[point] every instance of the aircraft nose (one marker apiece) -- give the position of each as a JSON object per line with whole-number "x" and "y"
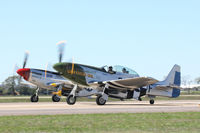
{"x": 25, "y": 72}
{"x": 60, "y": 67}
{"x": 57, "y": 67}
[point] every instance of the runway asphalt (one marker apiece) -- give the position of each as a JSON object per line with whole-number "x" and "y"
{"x": 50, "y": 108}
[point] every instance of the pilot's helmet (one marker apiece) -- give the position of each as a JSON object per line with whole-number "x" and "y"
{"x": 110, "y": 67}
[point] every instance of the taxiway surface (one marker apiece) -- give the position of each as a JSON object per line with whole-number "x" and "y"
{"x": 50, "y": 108}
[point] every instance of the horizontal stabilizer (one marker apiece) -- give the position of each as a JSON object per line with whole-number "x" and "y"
{"x": 163, "y": 87}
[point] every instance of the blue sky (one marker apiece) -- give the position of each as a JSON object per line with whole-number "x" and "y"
{"x": 148, "y": 36}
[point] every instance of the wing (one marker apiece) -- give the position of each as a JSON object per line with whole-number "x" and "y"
{"x": 131, "y": 83}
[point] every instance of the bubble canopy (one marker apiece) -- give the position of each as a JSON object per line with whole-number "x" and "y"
{"x": 123, "y": 69}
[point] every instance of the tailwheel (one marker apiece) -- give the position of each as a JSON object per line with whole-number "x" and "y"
{"x": 55, "y": 98}
{"x": 100, "y": 100}
{"x": 71, "y": 100}
{"x": 34, "y": 98}
{"x": 151, "y": 101}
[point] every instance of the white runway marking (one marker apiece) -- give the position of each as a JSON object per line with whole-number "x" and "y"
{"x": 51, "y": 108}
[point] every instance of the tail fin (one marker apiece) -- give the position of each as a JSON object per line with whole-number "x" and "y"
{"x": 174, "y": 77}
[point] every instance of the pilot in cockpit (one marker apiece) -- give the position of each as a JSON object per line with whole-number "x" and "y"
{"x": 110, "y": 70}
{"x": 124, "y": 70}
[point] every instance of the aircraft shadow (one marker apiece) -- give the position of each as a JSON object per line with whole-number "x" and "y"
{"x": 136, "y": 105}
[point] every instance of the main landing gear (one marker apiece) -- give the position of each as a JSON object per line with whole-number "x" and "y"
{"x": 102, "y": 99}
{"x": 34, "y": 97}
{"x": 71, "y": 99}
{"x": 56, "y": 97}
{"x": 151, "y": 101}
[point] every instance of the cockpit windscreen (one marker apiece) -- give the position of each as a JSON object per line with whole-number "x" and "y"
{"x": 126, "y": 70}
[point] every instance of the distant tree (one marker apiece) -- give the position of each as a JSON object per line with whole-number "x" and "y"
{"x": 10, "y": 84}
{"x": 186, "y": 81}
{"x": 1, "y": 91}
{"x": 25, "y": 90}
{"x": 197, "y": 80}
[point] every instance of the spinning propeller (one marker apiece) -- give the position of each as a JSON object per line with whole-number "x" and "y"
{"x": 22, "y": 72}
{"x": 25, "y": 59}
{"x": 61, "y": 47}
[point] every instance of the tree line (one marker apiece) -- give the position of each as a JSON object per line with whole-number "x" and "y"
{"x": 13, "y": 86}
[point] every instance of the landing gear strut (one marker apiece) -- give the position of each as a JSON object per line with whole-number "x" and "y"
{"x": 102, "y": 99}
{"x": 71, "y": 99}
{"x": 34, "y": 97}
{"x": 56, "y": 97}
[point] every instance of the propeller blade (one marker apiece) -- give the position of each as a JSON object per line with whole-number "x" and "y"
{"x": 61, "y": 46}
{"x": 25, "y": 59}
{"x": 26, "y": 55}
{"x": 46, "y": 70}
{"x": 72, "y": 72}
{"x": 13, "y": 82}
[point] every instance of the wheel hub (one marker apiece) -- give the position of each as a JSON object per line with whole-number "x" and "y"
{"x": 101, "y": 100}
{"x": 72, "y": 99}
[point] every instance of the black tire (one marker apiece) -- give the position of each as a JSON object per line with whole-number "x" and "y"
{"x": 100, "y": 100}
{"x": 55, "y": 98}
{"x": 151, "y": 102}
{"x": 34, "y": 98}
{"x": 71, "y": 100}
